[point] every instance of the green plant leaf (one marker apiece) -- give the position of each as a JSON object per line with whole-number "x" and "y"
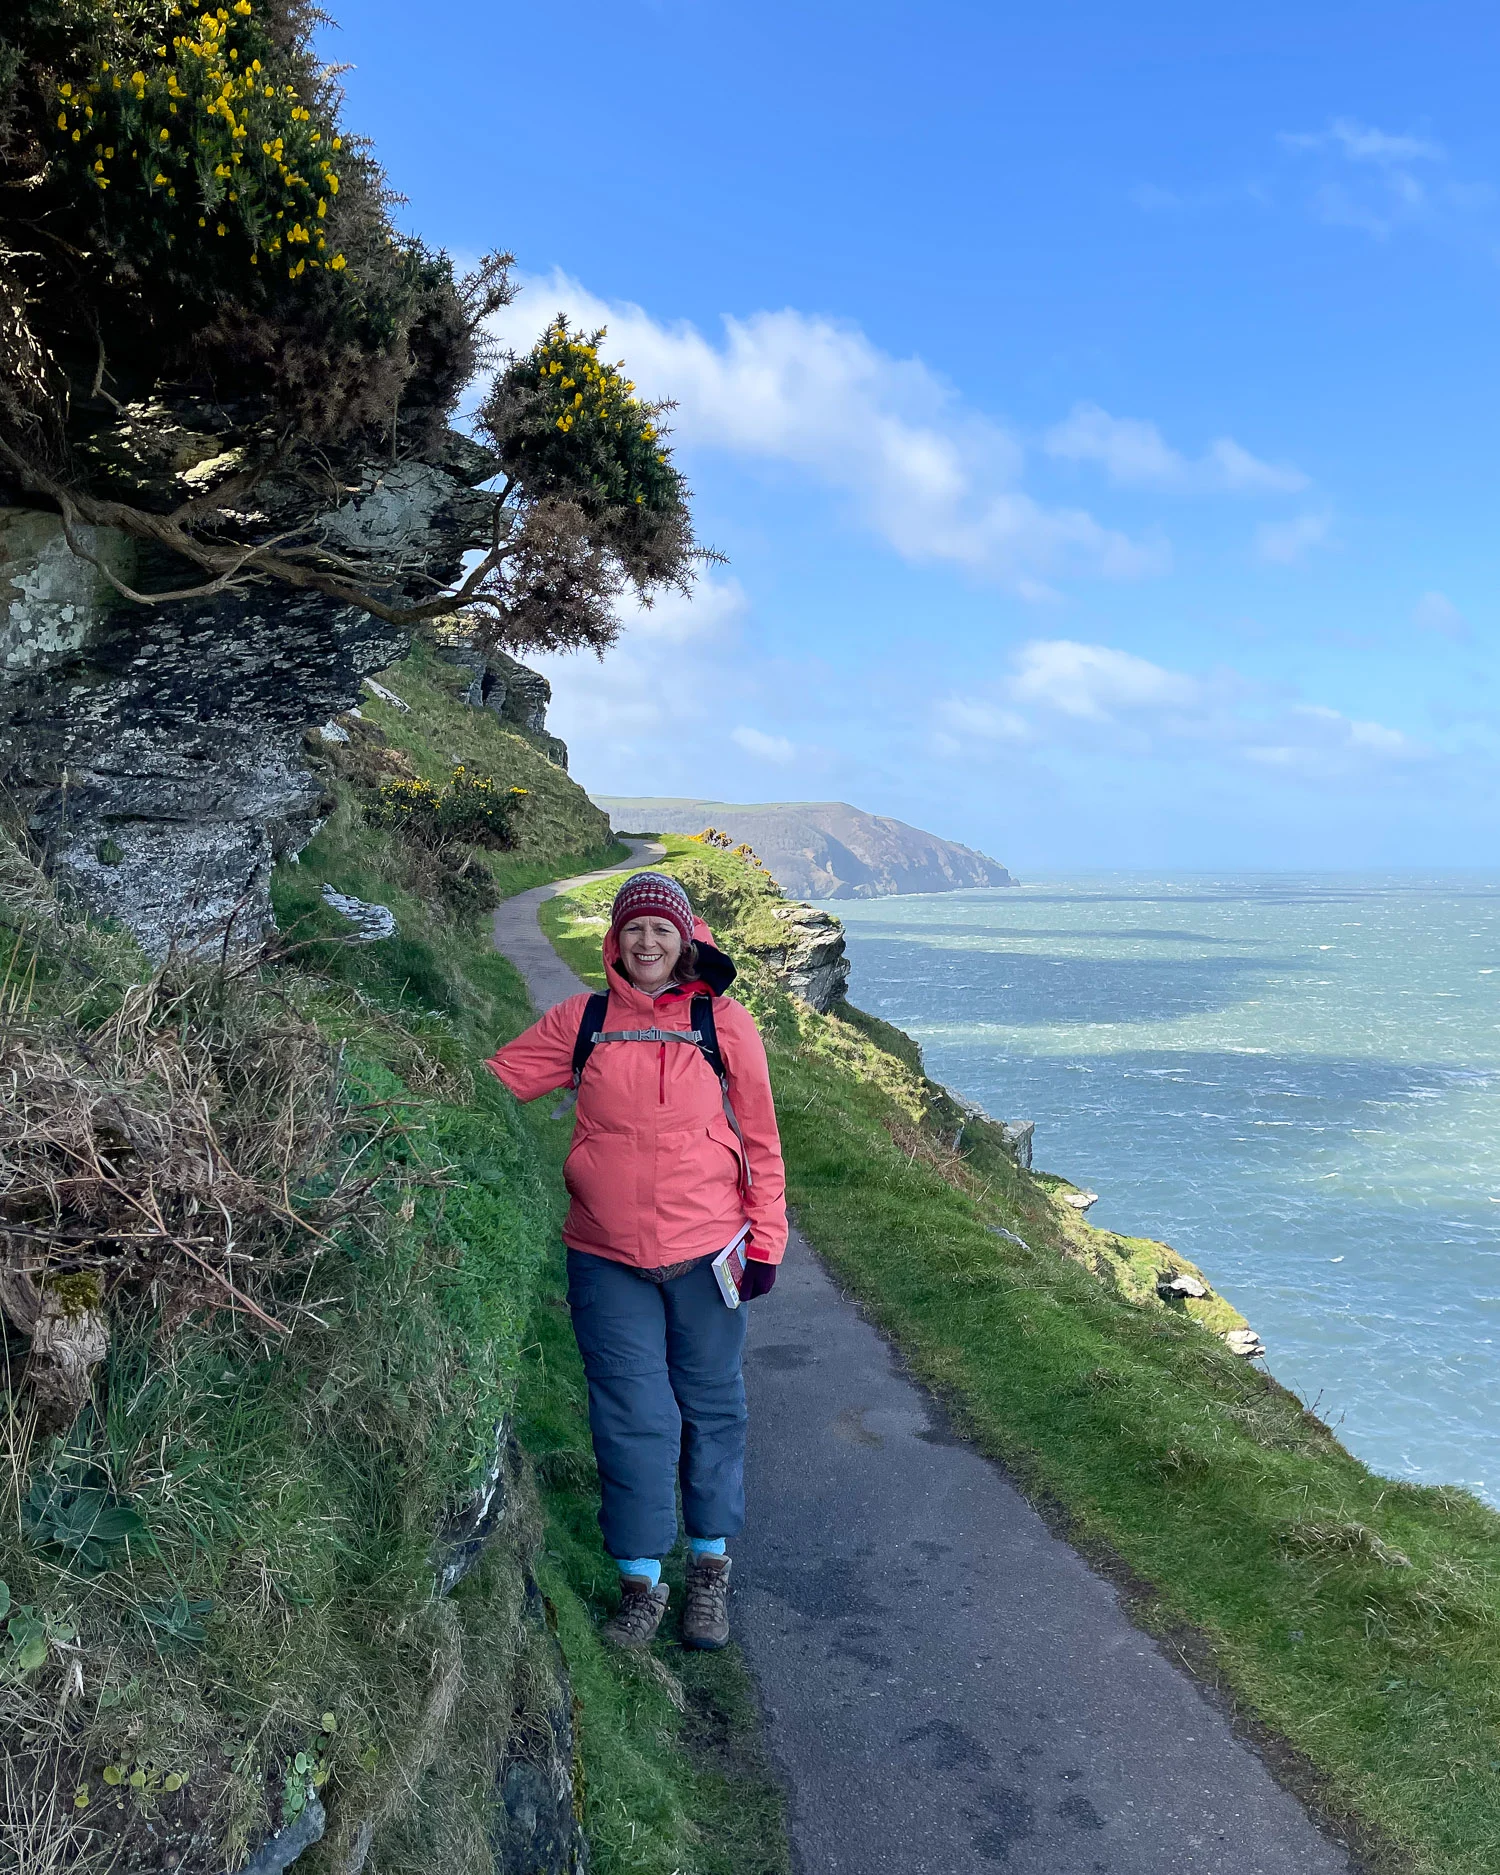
{"x": 329, "y": 1723}
{"x": 116, "y": 1523}
{"x": 4, "y": 1600}
{"x": 33, "y": 1653}
{"x": 302, "y": 1764}
{"x": 23, "y": 1626}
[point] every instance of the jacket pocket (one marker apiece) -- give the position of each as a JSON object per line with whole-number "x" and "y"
{"x": 697, "y": 1187}
{"x": 723, "y": 1134}
{"x": 586, "y": 1176}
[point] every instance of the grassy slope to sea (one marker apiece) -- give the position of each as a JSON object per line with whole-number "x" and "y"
{"x": 272, "y": 1628}
{"x": 1352, "y": 1622}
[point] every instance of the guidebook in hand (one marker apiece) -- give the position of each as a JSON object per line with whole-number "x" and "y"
{"x": 729, "y": 1268}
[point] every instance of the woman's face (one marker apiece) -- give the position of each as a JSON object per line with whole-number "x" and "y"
{"x": 649, "y": 949}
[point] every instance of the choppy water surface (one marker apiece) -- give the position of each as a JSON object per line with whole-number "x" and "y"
{"x": 1294, "y": 1079}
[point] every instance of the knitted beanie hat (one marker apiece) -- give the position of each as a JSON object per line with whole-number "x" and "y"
{"x": 653, "y": 895}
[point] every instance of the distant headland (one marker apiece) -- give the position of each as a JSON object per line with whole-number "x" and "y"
{"x": 821, "y": 849}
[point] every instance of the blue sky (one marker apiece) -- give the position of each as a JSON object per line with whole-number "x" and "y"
{"x": 1096, "y": 403}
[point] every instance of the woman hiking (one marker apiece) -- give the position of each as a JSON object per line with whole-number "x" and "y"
{"x": 667, "y": 1168}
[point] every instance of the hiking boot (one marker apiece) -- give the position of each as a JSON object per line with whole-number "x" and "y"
{"x": 635, "y": 1621}
{"x": 705, "y": 1612}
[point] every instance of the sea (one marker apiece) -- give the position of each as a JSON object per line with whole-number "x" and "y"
{"x": 1294, "y": 1079}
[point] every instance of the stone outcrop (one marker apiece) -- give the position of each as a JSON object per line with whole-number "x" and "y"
{"x": 810, "y": 963}
{"x": 155, "y": 752}
{"x": 520, "y": 697}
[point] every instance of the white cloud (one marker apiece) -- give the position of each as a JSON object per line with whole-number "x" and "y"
{"x": 988, "y": 722}
{"x": 1095, "y": 681}
{"x": 768, "y": 748}
{"x": 1330, "y": 742}
{"x": 1436, "y": 612}
{"x": 1362, "y": 143}
{"x": 1060, "y": 692}
{"x": 1382, "y": 182}
{"x": 936, "y": 481}
{"x": 635, "y": 694}
{"x": 1135, "y": 454}
{"x": 1284, "y": 543}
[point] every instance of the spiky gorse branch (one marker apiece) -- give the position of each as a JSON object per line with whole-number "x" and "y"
{"x": 181, "y": 217}
{"x": 201, "y": 144}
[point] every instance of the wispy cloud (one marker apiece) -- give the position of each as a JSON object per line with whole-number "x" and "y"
{"x": 1135, "y": 454}
{"x": 1096, "y": 682}
{"x": 1284, "y": 543}
{"x": 1436, "y": 612}
{"x": 1325, "y": 741}
{"x": 1060, "y": 691}
{"x": 936, "y": 480}
{"x": 1381, "y": 181}
{"x": 766, "y": 748}
{"x": 1362, "y": 143}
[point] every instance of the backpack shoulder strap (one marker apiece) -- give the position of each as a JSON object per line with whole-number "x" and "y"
{"x": 708, "y": 1047}
{"x": 702, "y": 1019}
{"x": 595, "y": 1010}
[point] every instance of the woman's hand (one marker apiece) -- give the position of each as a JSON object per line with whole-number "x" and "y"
{"x": 759, "y": 1278}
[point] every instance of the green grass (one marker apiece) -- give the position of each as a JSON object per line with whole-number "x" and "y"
{"x": 1356, "y": 1619}
{"x": 296, "y": 1486}
{"x": 673, "y": 1774}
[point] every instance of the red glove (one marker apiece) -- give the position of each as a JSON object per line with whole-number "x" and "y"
{"x": 759, "y": 1278}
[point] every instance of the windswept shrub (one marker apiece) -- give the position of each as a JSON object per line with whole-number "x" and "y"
{"x": 183, "y": 203}
{"x": 472, "y": 808}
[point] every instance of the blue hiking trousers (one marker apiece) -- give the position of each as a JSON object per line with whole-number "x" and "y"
{"x": 666, "y": 1402}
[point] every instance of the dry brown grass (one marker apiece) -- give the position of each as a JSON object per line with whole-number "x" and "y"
{"x": 158, "y": 1150}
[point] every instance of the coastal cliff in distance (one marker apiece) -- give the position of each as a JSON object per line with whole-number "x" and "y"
{"x": 820, "y": 849}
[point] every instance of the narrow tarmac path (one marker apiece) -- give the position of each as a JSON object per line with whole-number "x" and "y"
{"x": 949, "y": 1689}
{"x": 519, "y": 937}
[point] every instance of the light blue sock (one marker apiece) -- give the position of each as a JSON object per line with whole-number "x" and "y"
{"x": 646, "y": 1566}
{"x": 706, "y": 1545}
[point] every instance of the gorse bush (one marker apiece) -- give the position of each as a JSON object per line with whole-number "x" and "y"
{"x": 204, "y": 150}
{"x": 189, "y": 239}
{"x": 472, "y": 808}
{"x": 572, "y": 428}
{"x": 182, "y": 202}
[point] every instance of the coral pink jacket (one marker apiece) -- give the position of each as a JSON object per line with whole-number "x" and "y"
{"x": 655, "y": 1172}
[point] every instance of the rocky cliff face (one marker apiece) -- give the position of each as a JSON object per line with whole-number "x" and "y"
{"x": 155, "y": 753}
{"x": 518, "y": 696}
{"x": 811, "y": 962}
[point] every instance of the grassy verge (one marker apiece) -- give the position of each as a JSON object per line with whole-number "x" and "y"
{"x": 673, "y": 1778}
{"x": 262, "y": 1627}
{"x": 1355, "y": 1618}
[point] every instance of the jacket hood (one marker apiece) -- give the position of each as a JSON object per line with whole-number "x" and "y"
{"x": 716, "y": 971}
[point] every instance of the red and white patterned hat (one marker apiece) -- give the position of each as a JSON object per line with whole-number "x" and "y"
{"x": 653, "y": 895}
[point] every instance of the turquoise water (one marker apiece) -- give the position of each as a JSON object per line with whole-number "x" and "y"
{"x": 1294, "y": 1079}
